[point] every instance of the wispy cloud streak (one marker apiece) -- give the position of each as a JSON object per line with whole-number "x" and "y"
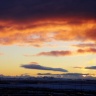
{"x": 68, "y": 53}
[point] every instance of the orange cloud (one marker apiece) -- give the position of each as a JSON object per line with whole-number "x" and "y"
{"x": 89, "y": 50}
{"x": 39, "y": 32}
{"x": 67, "y": 53}
{"x": 55, "y": 53}
{"x": 38, "y": 22}
{"x": 85, "y": 45}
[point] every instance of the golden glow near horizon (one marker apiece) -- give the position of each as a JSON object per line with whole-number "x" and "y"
{"x": 43, "y": 38}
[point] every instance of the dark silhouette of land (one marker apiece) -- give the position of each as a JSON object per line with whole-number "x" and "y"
{"x": 47, "y": 87}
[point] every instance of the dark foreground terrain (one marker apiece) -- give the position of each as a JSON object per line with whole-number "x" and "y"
{"x": 47, "y": 88}
{"x": 43, "y": 92}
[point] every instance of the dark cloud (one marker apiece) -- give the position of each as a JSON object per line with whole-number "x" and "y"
{"x": 91, "y": 67}
{"x": 75, "y": 74}
{"x": 44, "y": 74}
{"x": 29, "y": 9}
{"x": 69, "y": 75}
{"x": 69, "y": 19}
{"x": 39, "y": 67}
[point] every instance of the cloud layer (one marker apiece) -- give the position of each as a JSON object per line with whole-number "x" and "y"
{"x": 68, "y": 53}
{"x": 86, "y": 45}
{"x": 70, "y": 75}
{"x": 40, "y": 21}
{"x": 40, "y": 67}
{"x": 26, "y": 9}
{"x": 74, "y": 74}
{"x": 91, "y": 67}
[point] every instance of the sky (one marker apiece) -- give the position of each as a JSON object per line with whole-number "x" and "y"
{"x": 47, "y": 36}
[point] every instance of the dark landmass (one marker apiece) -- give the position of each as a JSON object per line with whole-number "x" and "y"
{"x": 47, "y": 87}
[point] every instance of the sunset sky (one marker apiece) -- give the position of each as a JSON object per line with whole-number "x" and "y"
{"x": 47, "y": 36}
